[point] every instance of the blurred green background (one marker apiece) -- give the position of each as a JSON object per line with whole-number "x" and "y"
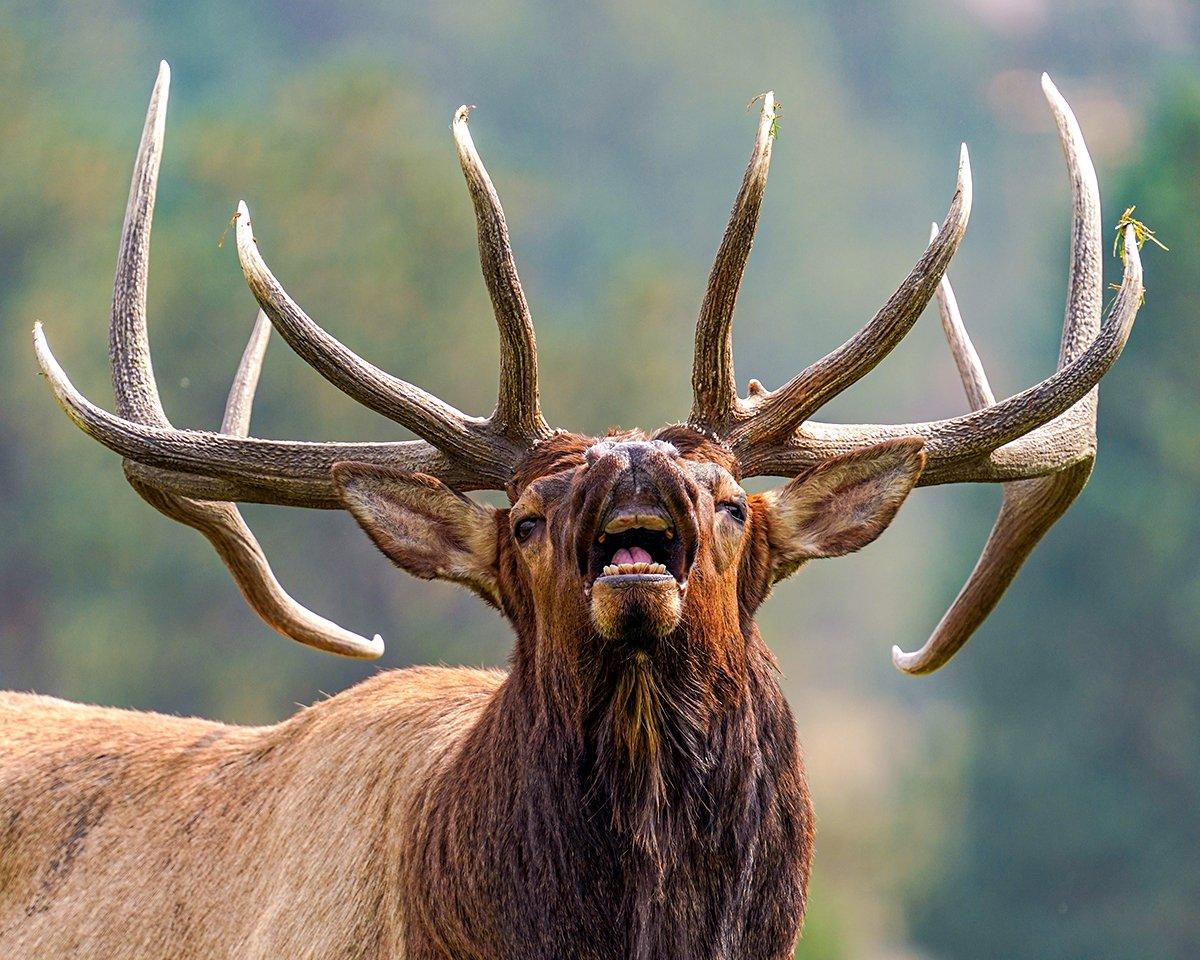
{"x": 1039, "y": 797}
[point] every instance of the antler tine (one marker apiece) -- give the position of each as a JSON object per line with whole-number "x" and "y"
{"x": 776, "y": 414}
{"x": 223, "y": 526}
{"x": 518, "y": 411}
{"x": 1030, "y": 507}
{"x": 966, "y": 358}
{"x": 138, "y": 401}
{"x": 418, "y": 410}
{"x": 226, "y": 530}
{"x": 714, "y": 388}
{"x": 240, "y": 403}
{"x": 128, "y": 344}
{"x": 1085, "y": 286}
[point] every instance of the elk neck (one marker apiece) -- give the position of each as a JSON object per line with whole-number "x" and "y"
{"x": 640, "y": 781}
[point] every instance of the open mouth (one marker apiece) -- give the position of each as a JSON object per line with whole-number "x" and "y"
{"x": 637, "y": 545}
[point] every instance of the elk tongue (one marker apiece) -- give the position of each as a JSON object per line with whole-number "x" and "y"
{"x": 631, "y": 555}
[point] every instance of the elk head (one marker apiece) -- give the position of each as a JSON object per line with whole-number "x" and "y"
{"x": 613, "y": 546}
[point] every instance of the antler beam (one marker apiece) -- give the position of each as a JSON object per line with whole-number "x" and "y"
{"x": 1030, "y": 507}
{"x": 188, "y": 474}
{"x": 1040, "y": 443}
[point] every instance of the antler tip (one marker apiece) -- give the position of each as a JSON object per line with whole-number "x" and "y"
{"x": 242, "y": 225}
{"x": 64, "y": 391}
{"x": 463, "y": 114}
{"x": 41, "y": 347}
{"x": 164, "y": 71}
{"x": 766, "y": 126}
{"x": 965, "y": 187}
{"x": 1058, "y": 103}
{"x": 905, "y": 662}
{"x": 1133, "y": 259}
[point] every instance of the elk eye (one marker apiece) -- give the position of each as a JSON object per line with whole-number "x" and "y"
{"x": 524, "y": 528}
{"x": 735, "y": 510}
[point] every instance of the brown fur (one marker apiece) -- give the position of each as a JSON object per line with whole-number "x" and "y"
{"x": 628, "y": 795}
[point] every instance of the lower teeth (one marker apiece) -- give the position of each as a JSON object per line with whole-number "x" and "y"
{"x": 624, "y": 569}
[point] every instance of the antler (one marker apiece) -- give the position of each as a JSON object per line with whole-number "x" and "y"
{"x": 714, "y": 390}
{"x": 223, "y": 526}
{"x": 190, "y": 475}
{"x": 765, "y": 416}
{"x": 1029, "y": 507}
{"x": 1040, "y": 442}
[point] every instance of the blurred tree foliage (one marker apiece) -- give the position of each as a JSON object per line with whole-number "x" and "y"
{"x": 1081, "y": 827}
{"x": 616, "y": 135}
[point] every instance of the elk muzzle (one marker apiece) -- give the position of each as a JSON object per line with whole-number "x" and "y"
{"x": 637, "y": 538}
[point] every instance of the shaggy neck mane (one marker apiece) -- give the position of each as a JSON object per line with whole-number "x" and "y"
{"x": 640, "y": 785}
{"x": 630, "y": 797}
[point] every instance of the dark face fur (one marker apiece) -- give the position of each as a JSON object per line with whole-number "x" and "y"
{"x": 614, "y": 546}
{"x": 626, "y": 537}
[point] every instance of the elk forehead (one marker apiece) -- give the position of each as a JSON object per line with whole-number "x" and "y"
{"x": 627, "y": 449}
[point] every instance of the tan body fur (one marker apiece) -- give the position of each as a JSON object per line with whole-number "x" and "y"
{"x": 137, "y": 835}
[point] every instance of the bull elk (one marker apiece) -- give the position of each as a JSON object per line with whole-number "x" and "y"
{"x": 632, "y": 785}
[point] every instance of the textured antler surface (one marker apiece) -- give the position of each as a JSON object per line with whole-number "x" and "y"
{"x": 190, "y": 474}
{"x": 138, "y": 401}
{"x": 1029, "y": 507}
{"x": 1040, "y": 443}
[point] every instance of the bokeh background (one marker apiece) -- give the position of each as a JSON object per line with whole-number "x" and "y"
{"x": 1040, "y": 796}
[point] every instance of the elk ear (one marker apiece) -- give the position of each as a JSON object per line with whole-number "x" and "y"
{"x": 423, "y": 526}
{"x": 842, "y": 504}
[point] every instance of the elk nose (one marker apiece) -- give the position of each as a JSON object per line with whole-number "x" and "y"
{"x": 644, "y": 482}
{"x": 639, "y": 508}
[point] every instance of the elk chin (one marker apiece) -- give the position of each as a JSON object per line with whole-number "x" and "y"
{"x": 632, "y": 606}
